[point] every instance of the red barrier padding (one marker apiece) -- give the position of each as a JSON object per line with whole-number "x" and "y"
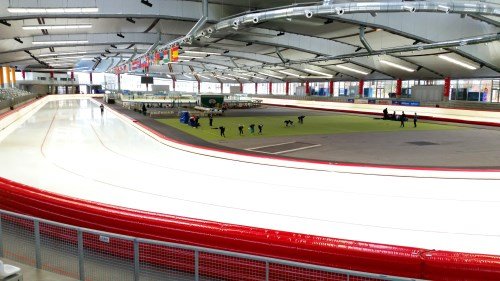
{"x": 356, "y": 255}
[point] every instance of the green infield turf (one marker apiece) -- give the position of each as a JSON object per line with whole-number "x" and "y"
{"x": 274, "y": 126}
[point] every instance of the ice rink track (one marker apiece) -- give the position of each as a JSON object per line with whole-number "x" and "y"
{"x": 65, "y": 146}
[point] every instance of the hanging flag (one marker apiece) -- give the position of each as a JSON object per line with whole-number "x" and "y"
{"x": 166, "y": 56}
{"x": 135, "y": 65}
{"x": 157, "y": 57}
{"x": 174, "y": 53}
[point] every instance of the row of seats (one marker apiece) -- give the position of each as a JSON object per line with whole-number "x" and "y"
{"x": 8, "y": 93}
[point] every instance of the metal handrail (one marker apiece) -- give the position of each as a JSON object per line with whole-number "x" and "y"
{"x": 195, "y": 249}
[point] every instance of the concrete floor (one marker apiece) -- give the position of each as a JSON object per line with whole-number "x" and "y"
{"x": 34, "y": 274}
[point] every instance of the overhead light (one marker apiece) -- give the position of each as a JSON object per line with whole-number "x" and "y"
{"x": 4, "y": 22}
{"x": 281, "y": 33}
{"x": 203, "y": 76}
{"x": 244, "y": 74}
{"x": 271, "y": 75}
{"x": 317, "y": 72}
{"x": 147, "y": 3}
{"x": 240, "y": 77}
{"x": 289, "y": 73}
{"x": 309, "y": 14}
{"x": 410, "y": 9}
{"x": 316, "y": 77}
{"x": 18, "y": 40}
{"x": 52, "y": 10}
{"x": 444, "y": 8}
{"x": 256, "y": 77}
{"x": 113, "y": 46}
{"x": 49, "y": 27}
{"x": 201, "y": 53}
{"x": 455, "y": 61}
{"x": 131, "y": 20}
{"x": 60, "y": 42}
{"x": 352, "y": 69}
{"x": 120, "y": 35}
{"x": 397, "y": 66}
{"x": 190, "y": 57}
{"x": 62, "y": 54}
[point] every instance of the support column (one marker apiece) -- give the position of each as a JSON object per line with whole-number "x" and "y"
{"x": 173, "y": 84}
{"x": 199, "y": 86}
{"x": 287, "y": 88}
{"x": 23, "y": 73}
{"x": 361, "y": 87}
{"x": 13, "y": 71}
{"x": 7, "y": 76}
{"x": 399, "y": 87}
{"x": 307, "y": 88}
{"x": 330, "y": 88}
{"x": 52, "y": 75}
{"x": 255, "y": 88}
{"x": 270, "y": 87}
{"x": 1, "y": 77}
{"x": 447, "y": 86}
{"x": 221, "y": 87}
{"x": 241, "y": 87}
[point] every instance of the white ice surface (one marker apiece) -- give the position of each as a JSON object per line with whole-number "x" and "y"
{"x": 69, "y": 148}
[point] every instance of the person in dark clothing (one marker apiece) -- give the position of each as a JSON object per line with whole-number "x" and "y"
{"x": 211, "y": 119}
{"x": 386, "y": 114}
{"x": 240, "y": 129}
{"x": 260, "y": 126}
{"x": 144, "y": 109}
{"x": 102, "y": 109}
{"x": 394, "y": 116}
{"x": 222, "y": 130}
{"x": 403, "y": 119}
{"x": 252, "y": 128}
{"x": 415, "y": 120}
{"x": 301, "y": 119}
{"x": 288, "y": 122}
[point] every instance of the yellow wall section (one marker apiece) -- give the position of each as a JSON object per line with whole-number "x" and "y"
{"x": 1, "y": 76}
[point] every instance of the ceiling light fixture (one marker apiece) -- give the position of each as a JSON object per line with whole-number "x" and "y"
{"x": 131, "y": 20}
{"x": 190, "y": 57}
{"x": 4, "y": 22}
{"x": 352, "y": 69}
{"x": 50, "y": 27}
{"x": 61, "y": 54}
{"x": 444, "y": 8}
{"x": 18, "y": 40}
{"x": 289, "y": 73}
{"x": 52, "y": 10}
{"x": 410, "y": 9}
{"x": 397, "y": 66}
{"x": 271, "y": 75}
{"x": 60, "y": 42}
{"x": 120, "y": 35}
{"x": 317, "y": 72}
{"x": 199, "y": 75}
{"x": 147, "y": 3}
{"x": 455, "y": 61}
{"x": 201, "y": 53}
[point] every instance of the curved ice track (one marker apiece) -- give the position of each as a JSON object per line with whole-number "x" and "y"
{"x": 68, "y": 148}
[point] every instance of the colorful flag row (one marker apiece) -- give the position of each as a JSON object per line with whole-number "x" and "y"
{"x": 143, "y": 63}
